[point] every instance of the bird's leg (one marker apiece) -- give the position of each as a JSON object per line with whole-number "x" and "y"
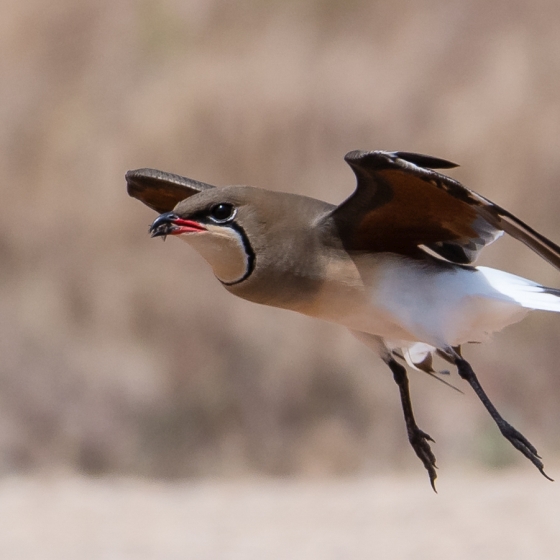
{"x": 417, "y": 438}
{"x": 518, "y": 440}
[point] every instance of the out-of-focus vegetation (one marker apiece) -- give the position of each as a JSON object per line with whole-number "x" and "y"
{"x": 123, "y": 354}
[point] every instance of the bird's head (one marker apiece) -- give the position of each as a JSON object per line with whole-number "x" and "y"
{"x": 250, "y": 236}
{"x": 219, "y": 223}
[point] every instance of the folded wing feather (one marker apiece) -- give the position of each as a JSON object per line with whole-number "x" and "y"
{"x": 401, "y": 204}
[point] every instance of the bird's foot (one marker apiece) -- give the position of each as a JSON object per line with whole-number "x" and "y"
{"x": 520, "y": 442}
{"x": 419, "y": 441}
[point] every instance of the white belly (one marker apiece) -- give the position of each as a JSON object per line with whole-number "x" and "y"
{"x": 402, "y": 299}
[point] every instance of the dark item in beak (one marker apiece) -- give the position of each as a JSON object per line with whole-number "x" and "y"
{"x": 170, "y": 224}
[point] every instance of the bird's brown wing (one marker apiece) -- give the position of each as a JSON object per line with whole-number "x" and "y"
{"x": 161, "y": 191}
{"x": 401, "y": 205}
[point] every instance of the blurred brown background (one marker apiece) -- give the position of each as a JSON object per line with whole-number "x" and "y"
{"x": 121, "y": 354}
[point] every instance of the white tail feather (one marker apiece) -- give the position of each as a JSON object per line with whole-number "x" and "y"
{"x": 527, "y": 293}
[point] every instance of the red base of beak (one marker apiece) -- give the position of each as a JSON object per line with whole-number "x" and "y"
{"x": 185, "y": 226}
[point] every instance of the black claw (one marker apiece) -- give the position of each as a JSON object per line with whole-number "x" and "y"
{"x": 427, "y": 436}
{"x": 419, "y": 441}
{"x": 433, "y": 481}
{"x": 522, "y": 444}
{"x": 545, "y": 475}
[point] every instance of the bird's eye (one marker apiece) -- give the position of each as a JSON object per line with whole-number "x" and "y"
{"x": 222, "y": 212}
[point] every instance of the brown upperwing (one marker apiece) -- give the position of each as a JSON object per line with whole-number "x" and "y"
{"x": 398, "y": 206}
{"x": 161, "y": 191}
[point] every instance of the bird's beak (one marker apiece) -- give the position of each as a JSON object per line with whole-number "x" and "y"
{"x": 170, "y": 224}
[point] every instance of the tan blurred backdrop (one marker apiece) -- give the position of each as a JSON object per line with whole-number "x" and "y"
{"x": 121, "y": 354}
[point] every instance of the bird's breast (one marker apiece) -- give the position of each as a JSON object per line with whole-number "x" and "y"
{"x": 348, "y": 295}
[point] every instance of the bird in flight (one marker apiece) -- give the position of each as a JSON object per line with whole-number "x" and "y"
{"x": 392, "y": 263}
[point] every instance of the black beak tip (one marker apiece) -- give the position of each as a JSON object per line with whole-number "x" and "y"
{"x": 162, "y": 225}
{"x": 157, "y": 233}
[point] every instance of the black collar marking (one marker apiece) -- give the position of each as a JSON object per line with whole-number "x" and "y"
{"x": 251, "y": 258}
